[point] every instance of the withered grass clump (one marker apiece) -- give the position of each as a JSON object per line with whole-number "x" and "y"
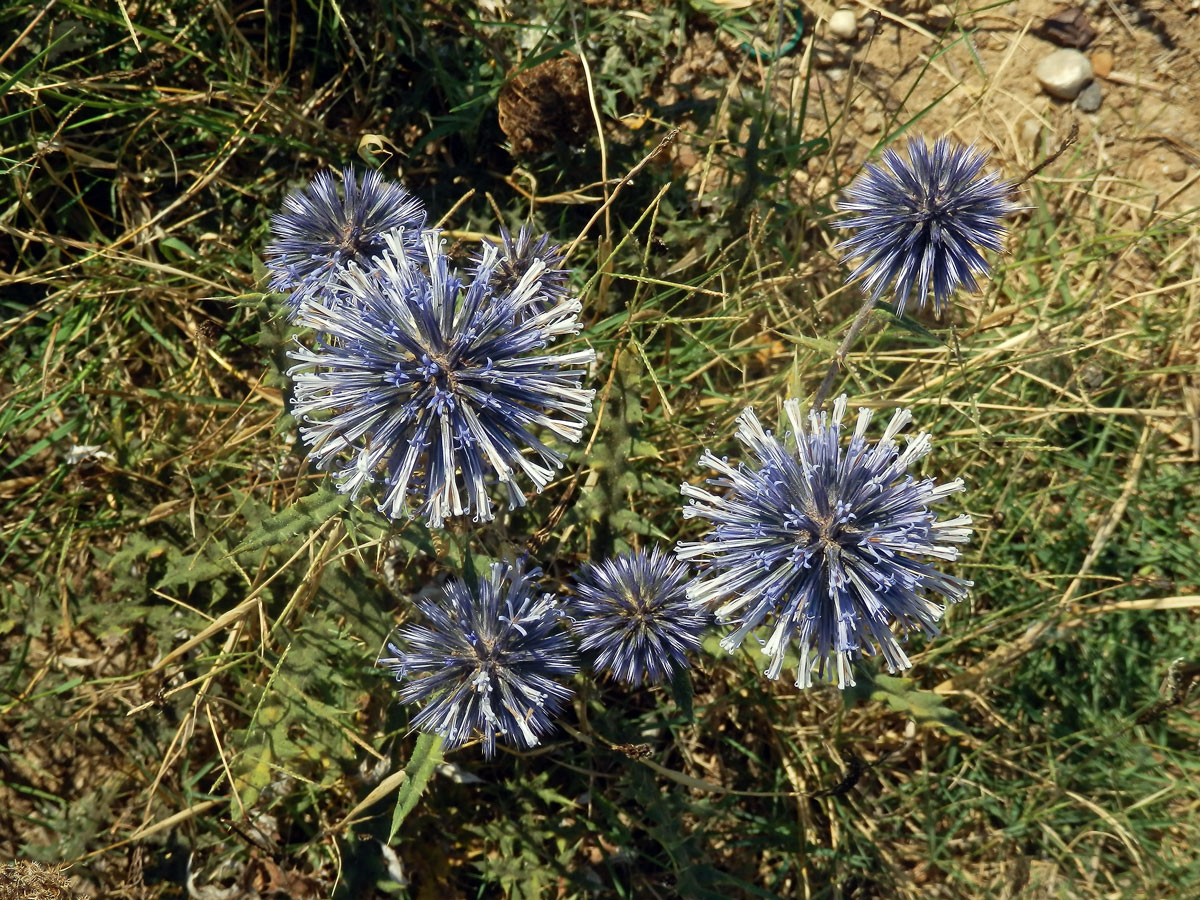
{"x": 23, "y": 880}
{"x": 546, "y": 105}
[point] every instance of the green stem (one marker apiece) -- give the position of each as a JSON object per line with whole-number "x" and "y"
{"x": 835, "y": 365}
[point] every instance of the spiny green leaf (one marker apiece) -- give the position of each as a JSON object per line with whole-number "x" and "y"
{"x": 192, "y": 569}
{"x": 252, "y": 769}
{"x": 302, "y": 516}
{"x": 912, "y": 326}
{"x": 426, "y": 755}
{"x": 681, "y": 692}
{"x": 925, "y": 707}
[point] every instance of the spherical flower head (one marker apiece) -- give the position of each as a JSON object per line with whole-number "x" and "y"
{"x": 436, "y": 386}
{"x": 830, "y": 545}
{"x": 924, "y": 220}
{"x": 522, "y": 252}
{"x": 319, "y": 234}
{"x": 486, "y": 661}
{"x": 633, "y": 612}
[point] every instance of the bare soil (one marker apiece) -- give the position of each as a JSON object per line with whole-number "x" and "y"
{"x": 1144, "y": 131}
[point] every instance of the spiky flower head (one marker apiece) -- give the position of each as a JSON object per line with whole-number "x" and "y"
{"x": 486, "y": 660}
{"x": 319, "y": 234}
{"x": 436, "y": 386}
{"x": 828, "y": 544}
{"x": 924, "y": 221}
{"x": 520, "y": 253}
{"x": 633, "y": 612}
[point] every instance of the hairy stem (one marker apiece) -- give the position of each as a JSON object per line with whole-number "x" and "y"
{"x": 843, "y": 350}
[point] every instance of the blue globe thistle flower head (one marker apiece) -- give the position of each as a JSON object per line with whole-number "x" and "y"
{"x": 632, "y": 611}
{"x": 438, "y": 387}
{"x": 523, "y": 251}
{"x": 319, "y": 234}
{"x": 924, "y": 221}
{"x": 485, "y": 662}
{"x": 833, "y": 547}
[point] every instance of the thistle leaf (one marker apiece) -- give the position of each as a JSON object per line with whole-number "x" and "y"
{"x": 924, "y": 707}
{"x": 426, "y": 755}
{"x": 301, "y": 517}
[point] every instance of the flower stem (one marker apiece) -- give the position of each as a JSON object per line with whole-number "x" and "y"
{"x": 843, "y": 350}
{"x": 1070, "y": 139}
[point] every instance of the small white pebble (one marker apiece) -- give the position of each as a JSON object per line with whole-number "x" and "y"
{"x": 1064, "y": 73}
{"x": 844, "y": 24}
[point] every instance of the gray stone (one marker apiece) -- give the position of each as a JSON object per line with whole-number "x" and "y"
{"x": 1063, "y": 73}
{"x": 844, "y": 24}
{"x": 1089, "y": 98}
